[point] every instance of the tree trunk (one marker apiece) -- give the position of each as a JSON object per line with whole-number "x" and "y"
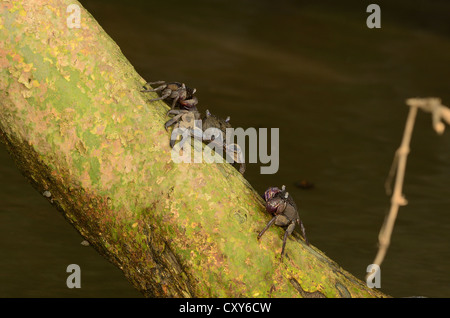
{"x": 78, "y": 127}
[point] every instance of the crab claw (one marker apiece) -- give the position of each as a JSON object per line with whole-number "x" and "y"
{"x": 170, "y": 123}
{"x": 173, "y": 120}
{"x": 189, "y": 103}
{"x": 242, "y": 168}
{"x": 174, "y": 112}
{"x": 270, "y": 193}
{"x": 275, "y": 206}
{"x": 172, "y": 142}
{"x": 167, "y": 125}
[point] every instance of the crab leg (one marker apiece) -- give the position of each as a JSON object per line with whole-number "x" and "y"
{"x": 156, "y": 83}
{"x": 184, "y": 138}
{"x": 172, "y": 121}
{"x": 176, "y": 111}
{"x": 175, "y": 100}
{"x": 237, "y": 156}
{"x": 288, "y": 232}
{"x": 302, "y": 228}
{"x": 155, "y": 89}
{"x": 160, "y": 88}
{"x": 163, "y": 96}
{"x": 267, "y": 226}
{"x": 240, "y": 157}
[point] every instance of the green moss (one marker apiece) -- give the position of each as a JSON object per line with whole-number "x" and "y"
{"x": 90, "y": 140}
{"x": 78, "y": 161}
{"x": 94, "y": 170}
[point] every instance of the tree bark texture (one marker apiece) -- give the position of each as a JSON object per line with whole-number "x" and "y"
{"x": 74, "y": 120}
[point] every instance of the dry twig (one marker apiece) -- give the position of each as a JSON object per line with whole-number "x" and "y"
{"x": 439, "y": 113}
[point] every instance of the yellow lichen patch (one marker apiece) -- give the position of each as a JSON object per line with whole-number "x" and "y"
{"x": 24, "y": 79}
{"x": 46, "y": 59}
{"x": 27, "y": 94}
{"x": 26, "y": 67}
{"x": 160, "y": 179}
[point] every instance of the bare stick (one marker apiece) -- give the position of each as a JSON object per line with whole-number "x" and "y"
{"x": 391, "y": 175}
{"x": 439, "y": 113}
{"x": 397, "y": 198}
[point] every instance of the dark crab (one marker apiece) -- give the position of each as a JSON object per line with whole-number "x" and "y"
{"x": 174, "y": 92}
{"x": 285, "y": 213}
{"x": 187, "y": 119}
{"x": 221, "y": 125}
{"x": 183, "y": 119}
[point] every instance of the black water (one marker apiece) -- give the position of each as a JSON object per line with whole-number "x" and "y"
{"x": 336, "y": 90}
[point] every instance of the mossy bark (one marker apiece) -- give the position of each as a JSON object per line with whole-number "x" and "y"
{"x": 74, "y": 119}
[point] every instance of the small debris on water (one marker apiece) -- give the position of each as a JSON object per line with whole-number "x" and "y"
{"x": 304, "y": 184}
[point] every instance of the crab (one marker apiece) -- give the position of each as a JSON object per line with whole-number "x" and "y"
{"x": 187, "y": 119}
{"x": 285, "y": 213}
{"x": 212, "y": 121}
{"x": 183, "y": 119}
{"x": 175, "y": 92}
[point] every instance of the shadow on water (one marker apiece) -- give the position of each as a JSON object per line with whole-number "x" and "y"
{"x": 336, "y": 90}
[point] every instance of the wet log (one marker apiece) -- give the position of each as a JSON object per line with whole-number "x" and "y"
{"x": 73, "y": 118}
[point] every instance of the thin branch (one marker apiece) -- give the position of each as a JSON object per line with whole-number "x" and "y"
{"x": 438, "y": 114}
